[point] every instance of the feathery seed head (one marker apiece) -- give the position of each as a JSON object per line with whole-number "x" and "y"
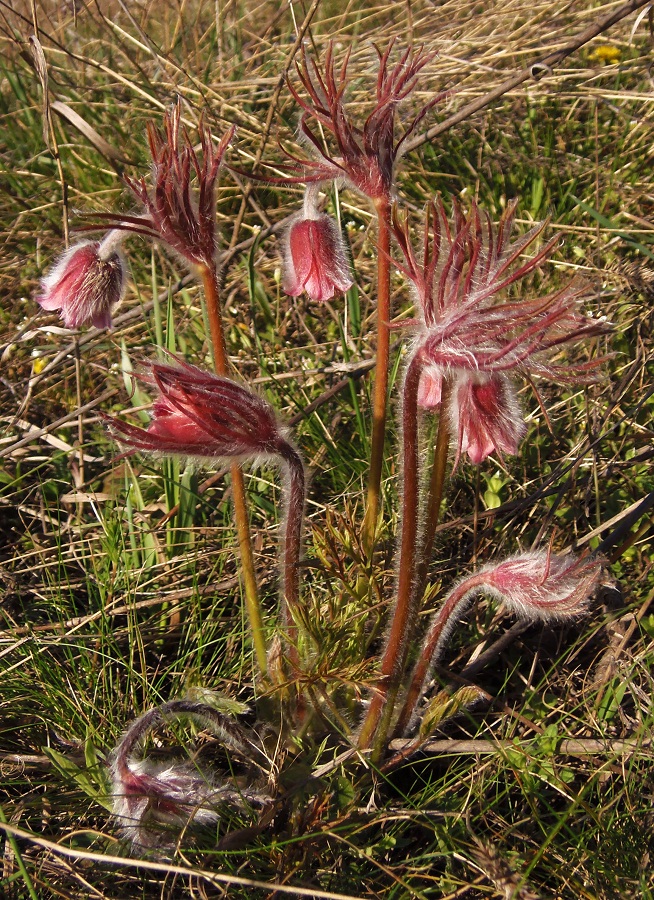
{"x": 180, "y": 206}
{"x": 470, "y": 335}
{"x": 365, "y": 155}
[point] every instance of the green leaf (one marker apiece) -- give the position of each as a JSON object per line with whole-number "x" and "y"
{"x": 611, "y": 700}
{"x": 93, "y": 785}
{"x": 217, "y": 701}
{"x": 491, "y": 500}
{"x": 445, "y": 705}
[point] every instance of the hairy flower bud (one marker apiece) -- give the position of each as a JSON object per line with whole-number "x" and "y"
{"x": 316, "y": 258}
{"x": 200, "y": 414}
{"x": 86, "y": 283}
{"x": 536, "y": 585}
{"x": 541, "y": 584}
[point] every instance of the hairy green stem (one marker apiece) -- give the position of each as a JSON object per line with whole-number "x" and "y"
{"x": 380, "y": 395}
{"x": 253, "y": 607}
{"x": 375, "y": 726}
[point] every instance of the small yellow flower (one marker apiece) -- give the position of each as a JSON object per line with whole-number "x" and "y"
{"x": 605, "y": 54}
{"x": 38, "y": 365}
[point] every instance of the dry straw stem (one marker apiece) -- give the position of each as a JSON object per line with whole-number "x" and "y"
{"x": 214, "y": 878}
{"x": 568, "y": 747}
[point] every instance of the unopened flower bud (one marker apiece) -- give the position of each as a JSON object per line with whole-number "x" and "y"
{"x": 86, "y": 283}
{"x": 200, "y": 414}
{"x": 541, "y": 584}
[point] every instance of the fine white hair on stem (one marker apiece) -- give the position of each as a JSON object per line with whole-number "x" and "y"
{"x": 535, "y": 586}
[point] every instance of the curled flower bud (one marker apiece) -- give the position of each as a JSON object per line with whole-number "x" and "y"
{"x": 537, "y": 585}
{"x": 541, "y": 584}
{"x": 154, "y": 801}
{"x": 315, "y": 256}
{"x": 204, "y": 415}
{"x": 86, "y": 283}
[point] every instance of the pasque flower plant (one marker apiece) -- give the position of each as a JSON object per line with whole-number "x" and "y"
{"x": 481, "y": 326}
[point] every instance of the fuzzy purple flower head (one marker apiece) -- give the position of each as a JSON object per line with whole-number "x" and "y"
{"x": 86, "y": 283}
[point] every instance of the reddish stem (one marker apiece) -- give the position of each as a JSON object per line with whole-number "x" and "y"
{"x": 433, "y": 643}
{"x": 380, "y": 396}
{"x": 375, "y": 725}
{"x": 437, "y": 481}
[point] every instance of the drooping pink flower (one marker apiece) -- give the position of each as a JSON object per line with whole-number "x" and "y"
{"x": 180, "y": 206}
{"x": 316, "y": 260}
{"x": 199, "y": 414}
{"x": 486, "y": 415}
{"x": 471, "y": 333}
{"x": 86, "y": 283}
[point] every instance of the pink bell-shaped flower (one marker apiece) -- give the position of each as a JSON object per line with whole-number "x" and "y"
{"x": 315, "y": 255}
{"x": 486, "y": 415}
{"x": 86, "y": 283}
